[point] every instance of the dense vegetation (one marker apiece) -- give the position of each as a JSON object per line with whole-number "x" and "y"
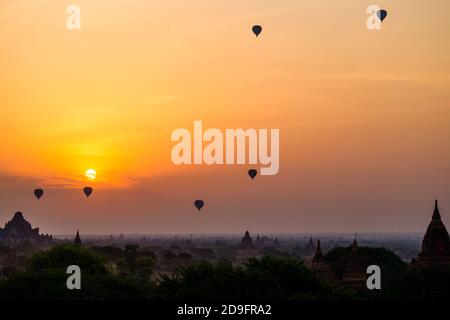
{"x": 114, "y": 273}
{"x": 266, "y": 278}
{"x": 392, "y": 267}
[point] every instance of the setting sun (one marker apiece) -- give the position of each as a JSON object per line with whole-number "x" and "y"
{"x": 91, "y": 174}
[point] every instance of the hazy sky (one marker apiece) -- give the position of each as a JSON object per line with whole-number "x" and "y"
{"x": 364, "y": 116}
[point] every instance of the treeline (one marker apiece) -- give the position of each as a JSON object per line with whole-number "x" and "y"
{"x": 129, "y": 274}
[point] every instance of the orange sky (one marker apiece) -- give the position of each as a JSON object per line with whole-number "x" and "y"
{"x": 364, "y": 116}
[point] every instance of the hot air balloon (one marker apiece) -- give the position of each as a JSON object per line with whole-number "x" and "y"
{"x": 87, "y": 191}
{"x": 38, "y": 193}
{"x": 381, "y": 14}
{"x": 252, "y": 173}
{"x": 256, "y": 29}
{"x": 199, "y": 204}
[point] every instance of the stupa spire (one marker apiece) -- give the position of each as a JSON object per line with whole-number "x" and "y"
{"x": 318, "y": 248}
{"x": 436, "y": 213}
{"x": 318, "y": 256}
{"x": 436, "y": 242}
{"x": 355, "y": 245}
{"x": 77, "y": 240}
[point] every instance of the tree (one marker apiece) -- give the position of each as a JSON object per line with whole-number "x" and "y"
{"x": 184, "y": 258}
{"x": 136, "y": 263}
{"x": 272, "y": 251}
{"x": 45, "y": 278}
{"x": 392, "y": 267}
{"x": 62, "y": 256}
{"x": 131, "y": 254}
{"x": 111, "y": 253}
{"x": 275, "y": 278}
{"x": 168, "y": 256}
{"x": 147, "y": 253}
{"x": 416, "y": 283}
{"x": 144, "y": 267}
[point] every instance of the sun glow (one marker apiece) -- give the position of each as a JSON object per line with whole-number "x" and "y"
{"x": 91, "y": 174}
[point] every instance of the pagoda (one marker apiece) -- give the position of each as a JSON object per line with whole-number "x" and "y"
{"x": 354, "y": 276}
{"x": 259, "y": 243}
{"x": 77, "y": 240}
{"x": 247, "y": 242}
{"x": 309, "y": 248}
{"x": 18, "y": 230}
{"x": 319, "y": 267}
{"x": 435, "y": 244}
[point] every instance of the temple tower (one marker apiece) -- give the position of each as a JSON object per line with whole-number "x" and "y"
{"x": 309, "y": 248}
{"x": 319, "y": 267}
{"x": 435, "y": 244}
{"x": 247, "y": 242}
{"x": 354, "y": 276}
{"x": 77, "y": 240}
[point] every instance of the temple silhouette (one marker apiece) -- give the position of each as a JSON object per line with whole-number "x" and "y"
{"x": 18, "y": 230}
{"x": 77, "y": 240}
{"x": 247, "y": 242}
{"x": 435, "y": 244}
{"x": 319, "y": 266}
{"x": 435, "y": 249}
{"x": 355, "y": 272}
{"x": 435, "y": 252}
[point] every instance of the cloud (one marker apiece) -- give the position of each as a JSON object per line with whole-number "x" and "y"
{"x": 7, "y": 178}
